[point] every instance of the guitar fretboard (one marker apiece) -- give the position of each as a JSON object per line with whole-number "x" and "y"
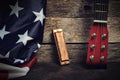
{"x": 100, "y": 11}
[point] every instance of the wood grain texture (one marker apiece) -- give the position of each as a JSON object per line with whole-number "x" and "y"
{"x": 76, "y": 30}
{"x": 64, "y": 8}
{"x": 114, "y": 8}
{"x": 75, "y": 18}
{"x": 51, "y": 71}
{"x": 77, "y": 8}
{"x": 77, "y": 53}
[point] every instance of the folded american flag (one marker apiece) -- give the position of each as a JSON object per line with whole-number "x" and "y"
{"x": 21, "y": 33}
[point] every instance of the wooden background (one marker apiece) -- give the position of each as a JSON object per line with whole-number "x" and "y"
{"x": 75, "y": 18}
{"x": 76, "y": 21}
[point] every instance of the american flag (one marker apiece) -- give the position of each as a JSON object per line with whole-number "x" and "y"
{"x": 21, "y": 33}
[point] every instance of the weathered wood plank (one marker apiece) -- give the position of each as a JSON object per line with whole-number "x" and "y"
{"x": 114, "y": 8}
{"x": 77, "y": 8}
{"x": 64, "y": 8}
{"x": 71, "y": 12}
{"x": 52, "y": 71}
{"x": 76, "y": 30}
{"x": 77, "y": 53}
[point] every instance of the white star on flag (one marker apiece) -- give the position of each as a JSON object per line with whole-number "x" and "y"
{"x": 38, "y": 45}
{"x": 39, "y": 16}
{"x": 7, "y": 55}
{"x": 3, "y": 32}
{"x": 18, "y": 60}
{"x": 15, "y": 9}
{"x": 24, "y": 38}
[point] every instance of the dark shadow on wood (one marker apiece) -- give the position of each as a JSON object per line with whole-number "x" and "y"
{"x": 52, "y": 71}
{"x": 55, "y": 53}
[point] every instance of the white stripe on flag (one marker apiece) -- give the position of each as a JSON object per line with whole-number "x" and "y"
{"x": 18, "y": 74}
{"x": 14, "y": 72}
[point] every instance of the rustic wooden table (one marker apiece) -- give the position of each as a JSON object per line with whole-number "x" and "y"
{"x": 75, "y": 18}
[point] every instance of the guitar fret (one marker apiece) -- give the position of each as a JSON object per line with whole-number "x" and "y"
{"x": 100, "y": 4}
{"x": 101, "y": 1}
{"x": 101, "y": 7}
{"x": 99, "y": 11}
{"x": 100, "y": 15}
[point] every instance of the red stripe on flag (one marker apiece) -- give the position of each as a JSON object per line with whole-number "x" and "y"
{"x": 30, "y": 63}
{"x": 9, "y": 71}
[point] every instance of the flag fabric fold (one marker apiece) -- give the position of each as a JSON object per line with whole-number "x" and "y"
{"x": 21, "y": 33}
{"x": 9, "y": 71}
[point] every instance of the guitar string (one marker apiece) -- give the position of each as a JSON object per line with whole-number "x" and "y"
{"x": 105, "y": 15}
{"x": 97, "y": 16}
{"x": 106, "y": 9}
{"x": 102, "y": 16}
{"x": 95, "y": 24}
{"x": 104, "y": 24}
{"x": 100, "y": 25}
